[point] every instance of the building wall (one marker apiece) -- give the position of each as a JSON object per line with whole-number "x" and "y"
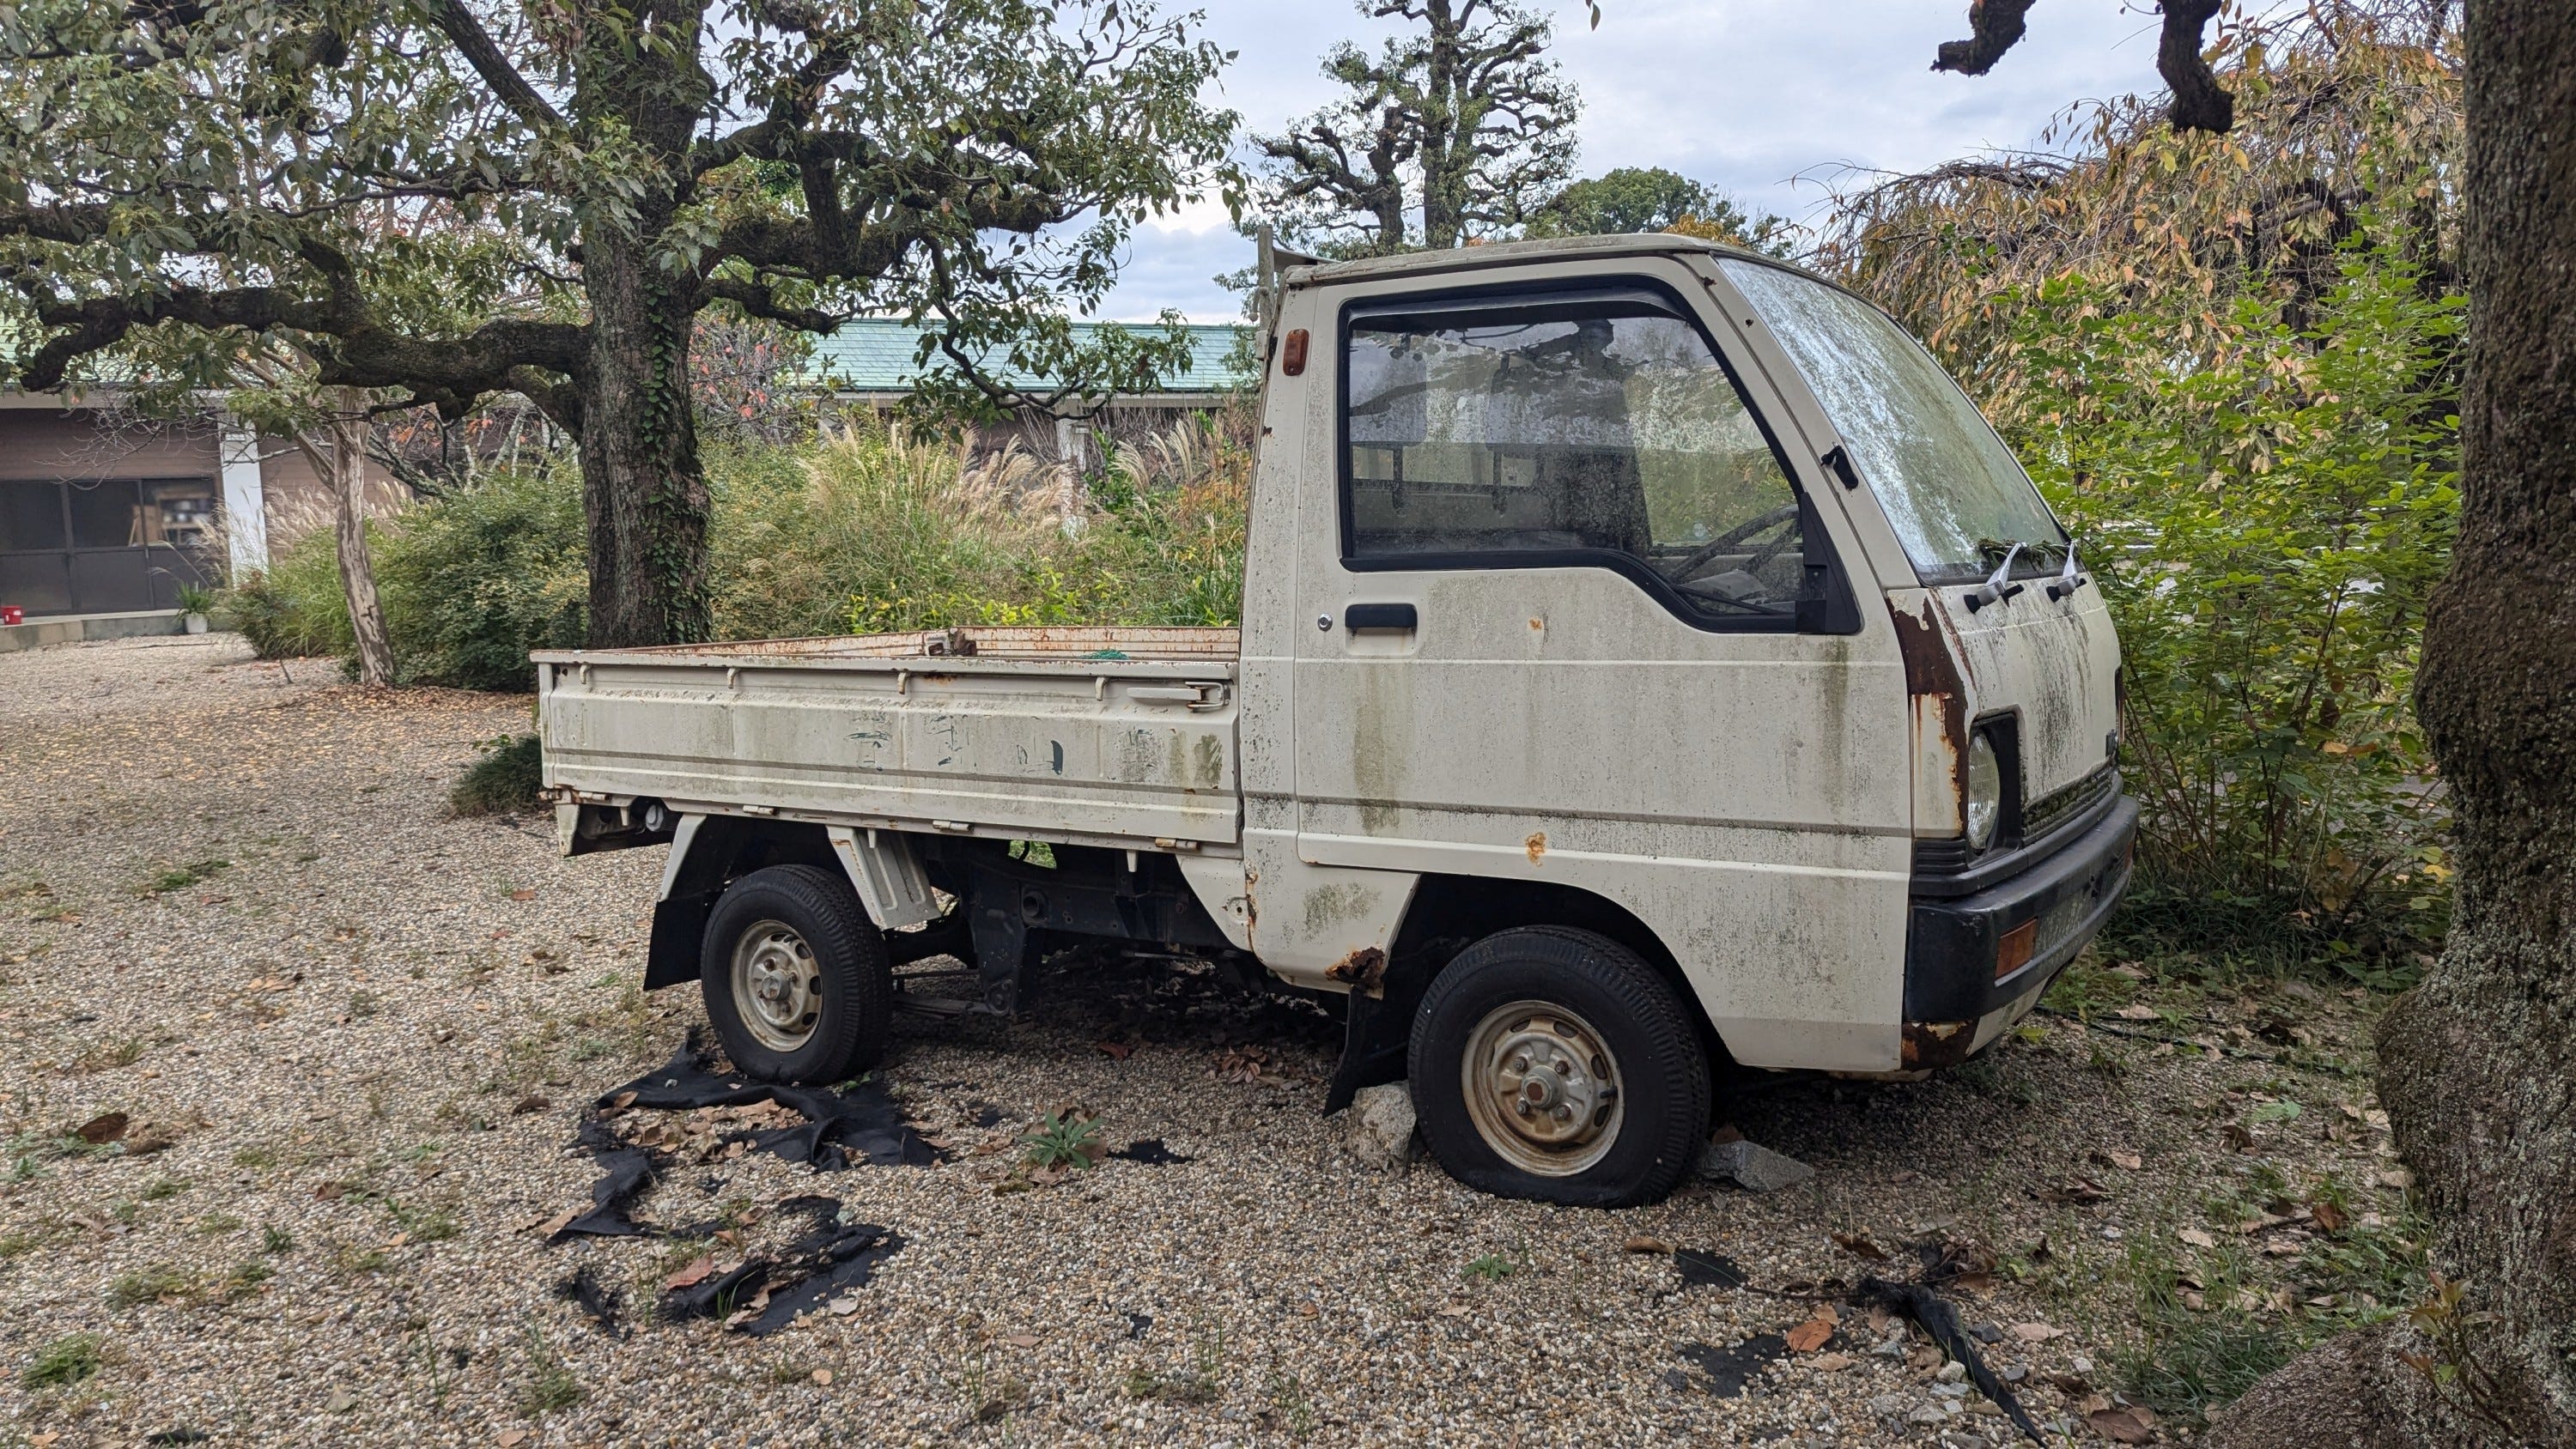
{"x": 146, "y": 506}
{"x": 299, "y": 497}
{"x": 101, "y": 515}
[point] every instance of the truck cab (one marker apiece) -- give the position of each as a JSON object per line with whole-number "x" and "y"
{"x": 1652, "y": 668}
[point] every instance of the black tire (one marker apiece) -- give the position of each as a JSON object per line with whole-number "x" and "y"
{"x": 844, "y": 991}
{"x": 1657, "y": 1118}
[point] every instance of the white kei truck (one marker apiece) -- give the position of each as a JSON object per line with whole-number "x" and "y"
{"x": 1653, "y": 669}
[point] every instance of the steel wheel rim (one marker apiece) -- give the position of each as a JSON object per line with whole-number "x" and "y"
{"x": 1543, "y": 1088}
{"x": 777, "y": 986}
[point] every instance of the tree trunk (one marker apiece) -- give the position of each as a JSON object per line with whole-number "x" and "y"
{"x": 347, "y": 459}
{"x": 2478, "y": 1064}
{"x": 1446, "y": 155}
{"x": 644, "y": 494}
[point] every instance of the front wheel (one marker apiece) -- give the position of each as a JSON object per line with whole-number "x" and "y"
{"x": 1555, "y": 1064}
{"x": 795, "y": 977}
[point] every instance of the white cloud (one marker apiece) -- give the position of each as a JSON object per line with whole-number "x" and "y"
{"x": 1742, "y": 94}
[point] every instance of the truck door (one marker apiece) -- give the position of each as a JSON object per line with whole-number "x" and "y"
{"x": 1571, "y": 616}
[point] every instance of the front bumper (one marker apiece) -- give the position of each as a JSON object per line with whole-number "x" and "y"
{"x": 1954, "y": 1001}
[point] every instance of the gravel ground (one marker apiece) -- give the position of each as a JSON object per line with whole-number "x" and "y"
{"x": 234, "y": 908}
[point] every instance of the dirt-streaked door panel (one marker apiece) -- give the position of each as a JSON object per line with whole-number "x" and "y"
{"x": 1745, "y": 794}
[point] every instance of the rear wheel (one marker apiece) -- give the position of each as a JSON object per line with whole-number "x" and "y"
{"x": 1555, "y": 1064}
{"x": 795, "y": 976}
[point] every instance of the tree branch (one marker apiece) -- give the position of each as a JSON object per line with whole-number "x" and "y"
{"x": 1997, "y": 27}
{"x": 759, "y": 299}
{"x": 2199, "y": 102}
{"x": 479, "y": 50}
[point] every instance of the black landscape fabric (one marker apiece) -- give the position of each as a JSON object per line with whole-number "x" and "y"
{"x": 861, "y": 1123}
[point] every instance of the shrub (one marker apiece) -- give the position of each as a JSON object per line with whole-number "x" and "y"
{"x": 2267, "y": 506}
{"x": 870, "y": 529}
{"x": 474, "y": 580}
{"x": 293, "y": 609}
{"x": 504, "y": 777}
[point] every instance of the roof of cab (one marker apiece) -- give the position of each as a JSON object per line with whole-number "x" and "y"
{"x": 1501, "y": 254}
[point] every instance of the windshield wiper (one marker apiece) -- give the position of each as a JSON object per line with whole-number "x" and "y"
{"x": 1995, "y": 589}
{"x": 2068, "y": 580}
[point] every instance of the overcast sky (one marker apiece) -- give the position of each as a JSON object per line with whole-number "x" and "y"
{"x": 1742, "y": 94}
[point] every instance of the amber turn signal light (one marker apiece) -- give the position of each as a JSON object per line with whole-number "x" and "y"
{"x": 2013, "y": 952}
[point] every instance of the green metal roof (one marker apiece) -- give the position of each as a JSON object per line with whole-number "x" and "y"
{"x": 874, "y": 354}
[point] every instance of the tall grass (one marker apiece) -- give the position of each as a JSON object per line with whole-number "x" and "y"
{"x": 870, "y": 528}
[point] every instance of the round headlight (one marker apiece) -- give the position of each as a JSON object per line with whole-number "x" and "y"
{"x": 1985, "y": 802}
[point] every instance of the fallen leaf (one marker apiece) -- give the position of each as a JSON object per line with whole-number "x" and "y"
{"x": 530, "y": 1104}
{"x": 340, "y": 1402}
{"x": 2035, "y": 1332}
{"x": 2136, "y": 1013}
{"x": 2196, "y": 1238}
{"x": 2329, "y": 1218}
{"x": 1726, "y": 1132}
{"x": 512, "y": 1438}
{"x": 1021, "y": 1340}
{"x": 1830, "y": 1363}
{"x": 2124, "y": 1426}
{"x": 558, "y": 1222}
{"x": 2398, "y": 1178}
{"x": 1643, "y": 1243}
{"x": 2125, "y": 1161}
{"x": 1809, "y": 1336}
{"x": 1859, "y": 1245}
{"x": 823, "y": 1377}
{"x": 690, "y": 1273}
{"x": 843, "y": 1306}
{"x": 101, "y": 1129}
{"x": 331, "y": 1191}
{"x": 1454, "y": 1310}
{"x": 1116, "y": 1051}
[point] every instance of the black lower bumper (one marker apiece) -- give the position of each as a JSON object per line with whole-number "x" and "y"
{"x": 1951, "y": 944}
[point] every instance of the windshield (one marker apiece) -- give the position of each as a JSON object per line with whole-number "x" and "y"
{"x": 1952, "y": 491}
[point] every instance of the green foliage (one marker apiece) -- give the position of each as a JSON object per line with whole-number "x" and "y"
{"x": 878, "y": 530}
{"x": 72, "y": 1359}
{"x": 182, "y": 877}
{"x": 873, "y": 528}
{"x": 474, "y": 580}
{"x": 1650, "y": 198}
{"x": 2213, "y": 1322}
{"x": 504, "y": 777}
{"x": 293, "y": 609}
{"x": 2266, "y": 505}
{"x": 149, "y": 1285}
{"x": 551, "y": 1383}
{"x": 471, "y": 581}
{"x": 195, "y": 599}
{"x": 1063, "y": 1140}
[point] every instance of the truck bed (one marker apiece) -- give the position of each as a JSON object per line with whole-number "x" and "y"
{"x": 1115, "y": 736}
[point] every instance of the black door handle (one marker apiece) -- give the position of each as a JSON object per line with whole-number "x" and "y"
{"x": 1356, "y": 617}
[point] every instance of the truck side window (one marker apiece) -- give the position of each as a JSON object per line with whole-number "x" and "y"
{"x": 1567, "y": 428}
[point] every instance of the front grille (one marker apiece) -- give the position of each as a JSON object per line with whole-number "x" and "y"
{"x": 2046, "y": 815}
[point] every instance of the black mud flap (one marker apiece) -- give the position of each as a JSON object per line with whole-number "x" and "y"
{"x": 679, "y": 940}
{"x": 1373, "y": 1046}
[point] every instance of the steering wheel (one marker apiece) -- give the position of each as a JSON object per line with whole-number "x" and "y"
{"x": 1689, "y": 568}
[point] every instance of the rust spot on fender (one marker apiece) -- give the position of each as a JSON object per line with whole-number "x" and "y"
{"x": 1364, "y": 969}
{"x": 1938, "y": 695}
{"x": 1937, "y": 1043}
{"x": 1536, "y": 845}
